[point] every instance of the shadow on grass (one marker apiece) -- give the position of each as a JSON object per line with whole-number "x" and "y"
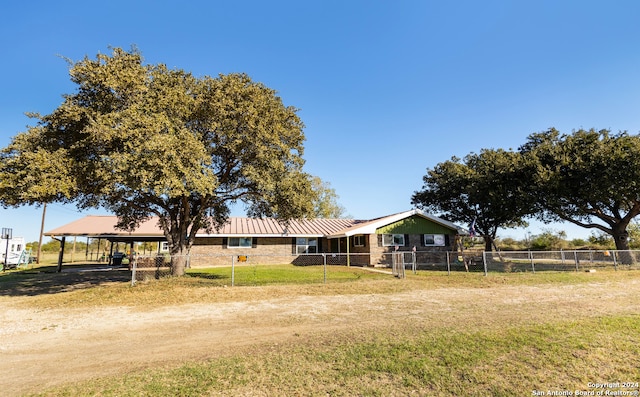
{"x": 46, "y": 280}
{"x": 209, "y": 276}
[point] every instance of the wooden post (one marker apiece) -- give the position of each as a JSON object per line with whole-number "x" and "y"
{"x": 111, "y": 253}
{"x": 73, "y": 250}
{"x": 44, "y": 212}
{"x": 61, "y": 254}
{"x": 348, "y": 256}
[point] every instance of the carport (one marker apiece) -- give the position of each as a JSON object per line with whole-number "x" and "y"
{"x": 103, "y": 228}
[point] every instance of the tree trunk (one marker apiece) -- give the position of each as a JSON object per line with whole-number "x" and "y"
{"x": 178, "y": 264}
{"x": 621, "y": 238}
{"x": 179, "y": 258}
{"x": 488, "y": 243}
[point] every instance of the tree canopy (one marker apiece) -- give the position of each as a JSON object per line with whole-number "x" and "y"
{"x": 325, "y": 204}
{"x": 589, "y": 178}
{"x": 484, "y": 189}
{"x": 144, "y": 140}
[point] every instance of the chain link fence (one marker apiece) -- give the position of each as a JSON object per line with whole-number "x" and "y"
{"x": 244, "y": 269}
{"x": 579, "y": 260}
{"x": 237, "y": 268}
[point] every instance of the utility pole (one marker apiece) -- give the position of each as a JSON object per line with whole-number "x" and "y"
{"x": 44, "y": 212}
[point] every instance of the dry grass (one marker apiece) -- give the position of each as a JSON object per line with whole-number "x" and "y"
{"x": 431, "y": 335}
{"x": 78, "y": 290}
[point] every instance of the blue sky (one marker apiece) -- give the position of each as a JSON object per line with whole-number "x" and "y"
{"x": 386, "y": 89}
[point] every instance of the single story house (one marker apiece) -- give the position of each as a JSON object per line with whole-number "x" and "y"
{"x": 349, "y": 241}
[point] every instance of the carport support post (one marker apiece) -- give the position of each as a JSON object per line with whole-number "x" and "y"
{"x": 61, "y": 254}
{"x": 110, "y": 253}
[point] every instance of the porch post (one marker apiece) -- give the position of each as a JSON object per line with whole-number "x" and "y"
{"x": 61, "y": 254}
{"x": 348, "y": 256}
{"x": 110, "y": 253}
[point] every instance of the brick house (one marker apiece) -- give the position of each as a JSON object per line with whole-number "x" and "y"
{"x": 348, "y": 241}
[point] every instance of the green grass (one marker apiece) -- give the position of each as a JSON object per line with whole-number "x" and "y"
{"x": 46, "y": 289}
{"x": 254, "y": 275}
{"x": 513, "y": 360}
{"x": 513, "y": 354}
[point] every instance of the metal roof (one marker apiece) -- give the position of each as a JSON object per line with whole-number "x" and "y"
{"x": 103, "y": 226}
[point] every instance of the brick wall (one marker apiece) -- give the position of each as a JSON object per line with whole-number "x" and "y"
{"x": 380, "y": 254}
{"x": 213, "y": 251}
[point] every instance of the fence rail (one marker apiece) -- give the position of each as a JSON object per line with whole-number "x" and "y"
{"x": 147, "y": 267}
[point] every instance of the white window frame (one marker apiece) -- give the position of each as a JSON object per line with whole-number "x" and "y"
{"x": 390, "y": 240}
{"x": 164, "y": 246}
{"x": 358, "y": 240}
{"x": 306, "y": 245}
{"x": 434, "y": 240}
{"x": 242, "y": 242}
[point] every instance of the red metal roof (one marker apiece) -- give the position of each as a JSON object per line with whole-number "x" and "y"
{"x": 104, "y": 226}
{"x": 271, "y": 227}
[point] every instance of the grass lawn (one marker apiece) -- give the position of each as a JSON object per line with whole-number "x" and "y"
{"x": 512, "y": 361}
{"x": 479, "y": 350}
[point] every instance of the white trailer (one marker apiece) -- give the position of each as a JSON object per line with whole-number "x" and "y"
{"x": 13, "y": 251}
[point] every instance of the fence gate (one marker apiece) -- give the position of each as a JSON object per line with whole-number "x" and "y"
{"x": 400, "y": 260}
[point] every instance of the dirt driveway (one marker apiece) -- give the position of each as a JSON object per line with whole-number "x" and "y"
{"x": 43, "y": 348}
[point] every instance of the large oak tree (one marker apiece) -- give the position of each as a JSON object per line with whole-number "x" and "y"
{"x": 589, "y": 178}
{"x": 144, "y": 140}
{"x": 485, "y": 189}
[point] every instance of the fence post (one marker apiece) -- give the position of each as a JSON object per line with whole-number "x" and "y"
{"x": 133, "y": 271}
{"x": 413, "y": 259}
{"x": 448, "y": 264}
{"x": 233, "y": 269}
{"x": 575, "y": 256}
{"x": 533, "y": 266}
{"x": 615, "y": 263}
{"x": 324, "y": 260}
{"x": 484, "y": 260}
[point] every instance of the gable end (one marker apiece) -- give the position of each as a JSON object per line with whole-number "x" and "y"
{"x": 414, "y": 225}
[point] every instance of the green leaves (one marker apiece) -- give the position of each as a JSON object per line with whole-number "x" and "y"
{"x": 589, "y": 178}
{"x": 486, "y": 188}
{"x": 144, "y": 140}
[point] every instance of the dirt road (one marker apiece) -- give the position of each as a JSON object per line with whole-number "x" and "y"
{"x": 42, "y": 348}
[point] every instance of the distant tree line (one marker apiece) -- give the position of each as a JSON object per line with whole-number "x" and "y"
{"x": 555, "y": 240}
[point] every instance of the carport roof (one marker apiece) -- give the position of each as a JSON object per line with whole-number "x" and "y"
{"x": 103, "y": 226}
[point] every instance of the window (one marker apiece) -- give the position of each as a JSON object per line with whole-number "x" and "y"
{"x": 358, "y": 241}
{"x": 434, "y": 239}
{"x": 239, "y": 242}
{"x": 164, "y": 246}
{"x": 389, "y": 240}
{"x": 306, "y": 245}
